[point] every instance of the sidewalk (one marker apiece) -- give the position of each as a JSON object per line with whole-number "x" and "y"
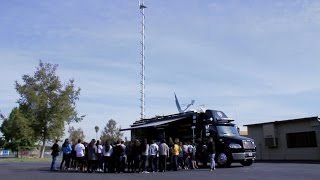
{"x": 289, "y": 161}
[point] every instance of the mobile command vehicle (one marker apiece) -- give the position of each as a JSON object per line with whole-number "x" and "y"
{"x": 194, "y": 125}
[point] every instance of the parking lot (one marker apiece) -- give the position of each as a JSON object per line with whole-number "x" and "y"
{"x": 283, "y": 171}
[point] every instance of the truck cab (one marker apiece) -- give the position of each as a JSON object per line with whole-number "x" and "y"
{"x": 230, "y": 146}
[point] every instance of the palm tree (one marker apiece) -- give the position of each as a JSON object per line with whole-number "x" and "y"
{"x": 96, "y": 129}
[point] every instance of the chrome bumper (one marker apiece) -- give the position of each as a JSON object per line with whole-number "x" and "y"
{"x": 244, "y": 155}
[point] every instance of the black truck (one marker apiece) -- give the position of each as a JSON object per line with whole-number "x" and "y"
{"x": 195, "y": 125}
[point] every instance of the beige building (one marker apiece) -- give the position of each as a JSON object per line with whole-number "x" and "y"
{"x": 243, "y": 133}
{"x": 293, "y": 139}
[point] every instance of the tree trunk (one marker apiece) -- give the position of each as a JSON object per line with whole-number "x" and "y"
{"x": 43, "y": 148}
{"x": 18, "y": 154}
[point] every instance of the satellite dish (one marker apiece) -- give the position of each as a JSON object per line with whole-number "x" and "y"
{"x": 179, "y": 107}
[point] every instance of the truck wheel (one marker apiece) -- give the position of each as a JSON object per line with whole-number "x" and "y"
{"x": 223, "y": 160}
{"x": 247, "y": 162}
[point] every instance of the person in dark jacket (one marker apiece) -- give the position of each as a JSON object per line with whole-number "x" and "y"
{"x": 54, "y": 154}
{"x": 118, "y": 152}
{"x": 136, "y": 153}
{"x": 170, "y": 145}
{"x": 129, "y": 156}
{"x": 203, "y": 153}
{"x": 211, "y": 152}
{"x": 92, "y": 157}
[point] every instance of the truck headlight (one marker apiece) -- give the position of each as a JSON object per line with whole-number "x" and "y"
{"x": 235, "y": 146}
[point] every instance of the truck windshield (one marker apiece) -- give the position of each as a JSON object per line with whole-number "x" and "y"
{"x": 227, "y": 131}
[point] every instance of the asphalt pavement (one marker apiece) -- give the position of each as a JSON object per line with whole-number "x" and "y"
{"x": 270, "y": 171}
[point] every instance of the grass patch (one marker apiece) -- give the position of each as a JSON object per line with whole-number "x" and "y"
{"x": 22, "y": 160}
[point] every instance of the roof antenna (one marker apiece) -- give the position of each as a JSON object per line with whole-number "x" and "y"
{"x": 142, "y": 91}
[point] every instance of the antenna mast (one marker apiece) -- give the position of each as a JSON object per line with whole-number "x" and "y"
{"x": 142, "y": 82}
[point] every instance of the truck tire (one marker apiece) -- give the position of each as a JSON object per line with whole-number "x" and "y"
{"x": 247, "y": 162}
{"x": 223, "y": 159}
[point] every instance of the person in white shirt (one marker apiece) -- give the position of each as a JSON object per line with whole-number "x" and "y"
{"x": 123, "y": 156}
{"x": 186, "y": 155}
{"x": 80, "y": 150}
{"x": 107, "y": 153}
{"x": 163, "y": 155}
{"x": 99, "y": 150}
{"x": 153, "y": 153}
{"x": 192, "y": 151}
{"x": 144, "y": 155}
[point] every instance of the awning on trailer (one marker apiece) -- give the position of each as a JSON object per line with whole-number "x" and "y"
{"x": 153, "y": 124}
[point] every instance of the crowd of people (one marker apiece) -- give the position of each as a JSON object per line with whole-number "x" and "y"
{"x": 133, "y": 156}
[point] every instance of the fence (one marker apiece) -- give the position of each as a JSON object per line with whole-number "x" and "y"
{"x": 23, "y": 154}
{"x": 7, "y": 153}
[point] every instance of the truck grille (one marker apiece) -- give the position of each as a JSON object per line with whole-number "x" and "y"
{"x": 247, "y": 144}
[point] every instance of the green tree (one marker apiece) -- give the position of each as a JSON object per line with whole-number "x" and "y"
{"x": 2, "y": 142}
{"x": 48, "y": 103}
{"x": 75, "y": 134}
{"x": 111, "y": 132}
{"x": 16, "y": 131}
{"x": 96, "y": 128}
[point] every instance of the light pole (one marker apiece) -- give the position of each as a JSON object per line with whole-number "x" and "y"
{"x": 96, "y": 129}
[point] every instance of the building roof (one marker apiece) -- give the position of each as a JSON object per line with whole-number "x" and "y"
{"x": 286, "y": 121}
{"x": 153, "y": 124}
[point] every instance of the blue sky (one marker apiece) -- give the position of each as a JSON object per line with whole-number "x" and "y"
{"x": 255, "y": 60}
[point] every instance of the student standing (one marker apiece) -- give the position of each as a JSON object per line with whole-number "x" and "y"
{"x": 211, "y": 152}
{"x": 192, "y": 152}
{"x": 176, "y": 150}
{"x": 153, "y": 152}
{"x": 107, "y": 153}
{"x": 118, "y": 152}
{"x": 66, "y": 150}
{"x": 123, "y": 156}
{"x": 80, "y": 150}
{"x": 136, "y": 152}
{"x": 163, "y": 155}
{"x": 92, "y": 156}
{"x": 99, "y": 150}
{"x": 144, "y": 155}
{"x": 54, "y": 154}
{"x": 171, "y": 144}
{"x": 129, "y": 156}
